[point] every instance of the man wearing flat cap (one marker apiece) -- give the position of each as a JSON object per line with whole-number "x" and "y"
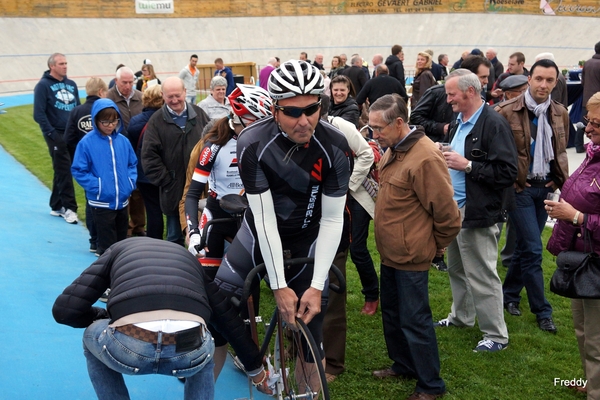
{"x": 513, "y": 86}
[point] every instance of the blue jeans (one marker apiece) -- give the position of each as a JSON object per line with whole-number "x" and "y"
{"x": 528, "y": 219}
{"x": 174, "y": 233}
{"x": 408, "y": 328}
{"x": 360, "y": 253}
{"x": 110, "y": 354}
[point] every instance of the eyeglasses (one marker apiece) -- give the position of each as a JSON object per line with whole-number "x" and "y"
{"x": 296, "y": 112}
{"x": 595, "y": 125}
{"x": 377, "y": 129}
{"x": 109, "y": 123}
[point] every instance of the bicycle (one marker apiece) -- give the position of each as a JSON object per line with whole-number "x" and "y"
{"x": 290, "y": 377}
{"x": 289, "y": 343}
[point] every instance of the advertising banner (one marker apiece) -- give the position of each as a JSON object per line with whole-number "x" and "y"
{"x": 154, "y": 7}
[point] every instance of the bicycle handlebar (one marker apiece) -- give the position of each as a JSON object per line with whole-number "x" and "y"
{"x": 204, "y": 236}
{"x": 261, "y": 269}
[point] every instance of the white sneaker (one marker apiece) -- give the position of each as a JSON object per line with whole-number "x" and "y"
{"x": 70, "y": 216}
{"x": 58, "y": 213}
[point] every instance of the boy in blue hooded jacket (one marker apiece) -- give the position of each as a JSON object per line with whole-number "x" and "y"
{"x": 105, "y": 166}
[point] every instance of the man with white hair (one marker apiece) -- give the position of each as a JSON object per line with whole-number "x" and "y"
{"x": 265, "y": 72}
{"x": 355, "y": 73}
{"x": 319, "y": 62}
{"x": 129, "y": 101}
{"x": 559, "y": 93}
{"x": 492, "y": 55}
{"x": 482, "y": 163}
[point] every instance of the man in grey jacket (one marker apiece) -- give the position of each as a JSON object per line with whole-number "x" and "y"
{"x": 189, "y": 75}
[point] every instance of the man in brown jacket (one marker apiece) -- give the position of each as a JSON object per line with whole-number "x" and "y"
{"x": 540, "y": 128}
{"x": 415, "y": 219}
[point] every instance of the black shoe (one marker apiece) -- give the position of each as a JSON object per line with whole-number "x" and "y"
{"x": 546, "y": 324}
{"x": 93, "y": 248}
{"x": 440, "y": 265}
{"x": 513, "y": 308}
{"x": 580, "y": 149}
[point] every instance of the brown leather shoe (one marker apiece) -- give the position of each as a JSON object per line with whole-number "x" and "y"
{"x": 386, "y": 373}
{"x": 370, "y": 307}
{"x": 424, "y": 396}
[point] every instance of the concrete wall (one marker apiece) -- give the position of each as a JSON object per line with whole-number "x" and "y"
{"x": 95, "y": 46}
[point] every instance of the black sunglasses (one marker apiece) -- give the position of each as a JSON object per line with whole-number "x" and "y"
{"x": 296, "y": 112}
{"x": 592, "y": 123}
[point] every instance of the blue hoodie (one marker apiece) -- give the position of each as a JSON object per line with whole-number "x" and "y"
{"x": 53, "y": 100}
{"x": 105, "y": 166}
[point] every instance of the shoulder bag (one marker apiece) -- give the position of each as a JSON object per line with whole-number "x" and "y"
{"x": 577, "y": 274}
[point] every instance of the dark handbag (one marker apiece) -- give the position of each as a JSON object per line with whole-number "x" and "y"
{"x": 577, "y": 274}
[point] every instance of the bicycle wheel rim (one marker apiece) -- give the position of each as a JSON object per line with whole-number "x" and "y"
{"x": 304, "y": 378}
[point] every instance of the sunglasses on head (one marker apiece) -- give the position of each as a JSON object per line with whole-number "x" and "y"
{"x": 296, "y": 112}
{"x": 594, "y": 124}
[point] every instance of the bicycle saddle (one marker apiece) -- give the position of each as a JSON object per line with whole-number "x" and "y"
{"x": 233, "y": 204}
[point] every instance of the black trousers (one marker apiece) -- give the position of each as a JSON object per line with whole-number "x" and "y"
{"x": 111, "y": 226}
{"x": 155, "y": 224}
{"x": 63, "y": 192}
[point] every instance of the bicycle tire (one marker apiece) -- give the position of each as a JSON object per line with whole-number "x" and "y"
{"x": 300, "y": 378}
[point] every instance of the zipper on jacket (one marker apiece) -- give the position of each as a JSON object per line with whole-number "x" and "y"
{"x": 112, "y": 152}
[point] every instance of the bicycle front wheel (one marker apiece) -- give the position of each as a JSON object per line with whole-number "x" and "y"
{"x": 300, "y": 361}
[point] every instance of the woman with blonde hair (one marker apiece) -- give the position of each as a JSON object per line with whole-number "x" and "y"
{"x": 147, "y": 76}
{"x": 424, "y": 79}
{"x": 336, "y": 66}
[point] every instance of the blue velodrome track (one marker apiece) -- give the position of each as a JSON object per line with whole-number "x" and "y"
{"x": 39, "y": 256}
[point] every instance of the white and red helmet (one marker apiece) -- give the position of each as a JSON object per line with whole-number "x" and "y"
{"x": 295, "y": 78}
{"x": 250, "y": 103}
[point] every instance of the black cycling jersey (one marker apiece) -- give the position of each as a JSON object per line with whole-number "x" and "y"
{"x": 297, "y": 177}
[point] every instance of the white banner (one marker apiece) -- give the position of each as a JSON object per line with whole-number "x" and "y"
{"x": 154, "y": 7}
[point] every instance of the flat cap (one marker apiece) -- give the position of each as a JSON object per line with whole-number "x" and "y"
{"x": 513, "y": 82}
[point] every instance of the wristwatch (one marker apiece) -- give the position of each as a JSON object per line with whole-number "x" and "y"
{"x": 469, "y": 167}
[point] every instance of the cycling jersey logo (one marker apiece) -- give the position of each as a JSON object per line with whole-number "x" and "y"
{"x": 314, "y": 191}
{"x": 317, "y": 170}
{"x": 233, "y": 163}
{"x": 205, "y": 156}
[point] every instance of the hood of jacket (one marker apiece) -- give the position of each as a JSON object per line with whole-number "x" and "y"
{"x": 391, "y": 60}
{"x": 102, "y": 104}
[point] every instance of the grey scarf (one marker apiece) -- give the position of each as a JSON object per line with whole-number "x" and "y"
{"x": 543, "y": 152}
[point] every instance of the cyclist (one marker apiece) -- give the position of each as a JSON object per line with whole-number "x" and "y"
{"x": 217, "y": 166}
{"x": 295, "y": 170}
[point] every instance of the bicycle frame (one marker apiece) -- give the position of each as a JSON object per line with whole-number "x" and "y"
{"x": 283, "y": 388}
